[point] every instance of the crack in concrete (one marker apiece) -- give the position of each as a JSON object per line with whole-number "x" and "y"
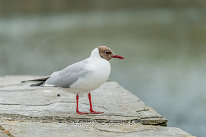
{"x": 152, "y": 117}
{"x": 142, "y": 110}
{"x": 104, "y": 130}
{"x": 119, "y": 115}
{"x": 37, "y": 105}
{"x": 6, "y": 131}
{"x": 3, "y": 90}
{"x": 49, "y": 104}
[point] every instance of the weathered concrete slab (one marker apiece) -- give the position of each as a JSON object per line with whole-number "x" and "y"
{"x": 3, "y": 134}
{"x": 37, "y": 129}
{"x": 38, "y": 111}
{"x": 119, "y": 105}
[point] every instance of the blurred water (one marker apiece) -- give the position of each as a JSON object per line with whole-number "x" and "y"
{"x": 164, "y": 51}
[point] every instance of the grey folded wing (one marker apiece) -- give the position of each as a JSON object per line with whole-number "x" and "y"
{"x": 68, "y": 76}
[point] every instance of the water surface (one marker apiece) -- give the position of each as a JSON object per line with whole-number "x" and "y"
{"x": 164, "y": 50}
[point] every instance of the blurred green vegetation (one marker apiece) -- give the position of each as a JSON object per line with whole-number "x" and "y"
{"x": 8, "y": 7}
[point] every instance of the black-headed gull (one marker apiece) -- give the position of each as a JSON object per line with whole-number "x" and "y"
{"x": 83, "y": 76}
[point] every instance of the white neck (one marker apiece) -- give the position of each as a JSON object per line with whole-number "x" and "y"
{"x": 95, "y": 53}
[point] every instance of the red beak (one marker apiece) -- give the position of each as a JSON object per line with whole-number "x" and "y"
{"x": 117, "y": 56}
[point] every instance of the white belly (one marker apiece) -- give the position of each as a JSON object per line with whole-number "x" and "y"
{"x": 100, "y": 71}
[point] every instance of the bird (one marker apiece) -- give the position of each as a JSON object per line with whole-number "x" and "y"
{"x": 82, "y": 77}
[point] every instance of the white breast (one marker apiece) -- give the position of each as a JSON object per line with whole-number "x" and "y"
{"x": 100, "y": 71}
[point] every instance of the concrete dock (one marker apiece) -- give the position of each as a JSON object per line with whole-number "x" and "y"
{"x": 41, "y": 112}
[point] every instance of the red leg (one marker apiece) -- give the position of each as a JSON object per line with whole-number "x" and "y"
{"x": 91, "y": 110}
{"x": 77, "y": 109}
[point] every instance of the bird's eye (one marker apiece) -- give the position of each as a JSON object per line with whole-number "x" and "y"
{"x": 107, "y": 52}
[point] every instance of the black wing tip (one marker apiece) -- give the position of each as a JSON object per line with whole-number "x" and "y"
{"x": 40, "y": 80}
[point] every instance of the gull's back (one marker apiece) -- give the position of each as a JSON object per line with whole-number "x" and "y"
{"x": 68, "y": 76}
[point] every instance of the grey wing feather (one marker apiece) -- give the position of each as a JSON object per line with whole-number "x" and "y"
{"x": 66, "y": 77}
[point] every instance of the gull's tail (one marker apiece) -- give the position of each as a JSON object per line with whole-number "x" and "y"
{"x": 40, "y": 81}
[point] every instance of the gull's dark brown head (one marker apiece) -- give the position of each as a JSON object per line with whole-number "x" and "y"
{"x": 107, "y": 53}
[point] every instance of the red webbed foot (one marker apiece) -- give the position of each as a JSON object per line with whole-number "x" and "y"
{"x": 81, "y": 113}
{"x": 95, "y": 112}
